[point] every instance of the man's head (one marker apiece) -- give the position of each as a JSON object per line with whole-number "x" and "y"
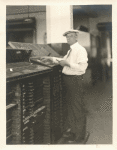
{"x": 71, "y": 36}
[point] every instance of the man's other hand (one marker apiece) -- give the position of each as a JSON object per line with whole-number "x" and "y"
{"x": 64, "y": 63}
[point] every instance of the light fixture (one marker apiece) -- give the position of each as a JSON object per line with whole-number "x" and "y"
{"x": 28, "y": 19}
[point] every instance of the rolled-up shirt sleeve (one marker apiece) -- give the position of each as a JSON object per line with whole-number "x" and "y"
{"x": 80, "y": 66}
{"x": 81, "y": 63}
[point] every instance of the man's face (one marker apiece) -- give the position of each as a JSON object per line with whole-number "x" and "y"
{"x": 71, "y": 38}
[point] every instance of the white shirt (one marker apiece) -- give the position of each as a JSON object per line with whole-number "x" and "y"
{"x": 77, "y": 59}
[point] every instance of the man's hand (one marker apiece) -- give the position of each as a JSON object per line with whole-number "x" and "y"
{"x": 43, "y": 58}
{"x": 64, "y": 63}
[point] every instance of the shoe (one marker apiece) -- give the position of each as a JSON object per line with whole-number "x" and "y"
{"x": 71, "y": 142}
{"x": 76, "y": 141}
{"x": 69, "y": 136}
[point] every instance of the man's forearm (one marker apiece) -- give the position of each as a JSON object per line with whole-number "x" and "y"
{"x": 57, "y": 59}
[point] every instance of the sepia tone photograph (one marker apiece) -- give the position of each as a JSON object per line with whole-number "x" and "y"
{"x": 59, "y": 74}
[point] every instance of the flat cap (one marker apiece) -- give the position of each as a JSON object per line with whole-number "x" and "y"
{"x": 70, "y": 31}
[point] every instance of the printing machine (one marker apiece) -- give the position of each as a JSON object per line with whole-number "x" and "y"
{"x": 35, "y": 102}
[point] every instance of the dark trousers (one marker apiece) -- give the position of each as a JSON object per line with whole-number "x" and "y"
{"x": 76, "y": 119}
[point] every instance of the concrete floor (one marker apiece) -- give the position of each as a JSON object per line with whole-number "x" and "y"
{"x": 98, "y": 100}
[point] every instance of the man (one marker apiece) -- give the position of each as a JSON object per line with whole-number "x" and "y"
{"x": 74, "y": 65}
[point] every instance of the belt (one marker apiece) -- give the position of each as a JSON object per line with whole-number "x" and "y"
{"x": 78, "y": 76}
